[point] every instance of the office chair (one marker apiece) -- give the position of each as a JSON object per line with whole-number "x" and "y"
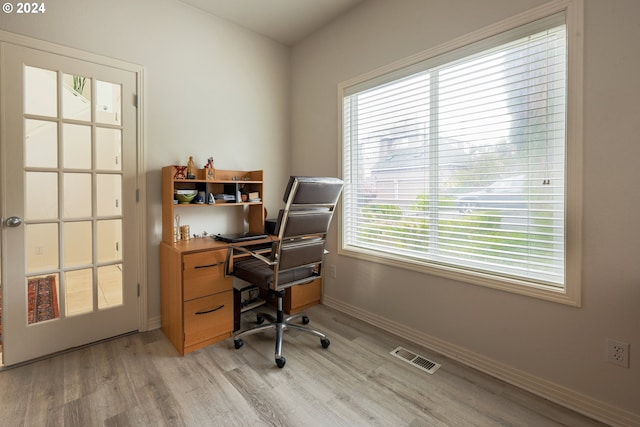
{"x": 295, "y": 258}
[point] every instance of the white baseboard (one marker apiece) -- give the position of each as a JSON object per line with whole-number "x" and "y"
{"x": 554, "y": 392}
{"x": 154, "y": 323}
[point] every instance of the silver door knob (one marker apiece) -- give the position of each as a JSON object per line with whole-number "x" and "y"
{"x": 13, "y": 221}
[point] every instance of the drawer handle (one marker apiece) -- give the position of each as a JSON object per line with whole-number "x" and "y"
{"x": 207, "y": 266}
{"x": 210, "y": 311}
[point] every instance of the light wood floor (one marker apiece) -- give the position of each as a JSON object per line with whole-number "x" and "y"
{"x": 139, "y": 380}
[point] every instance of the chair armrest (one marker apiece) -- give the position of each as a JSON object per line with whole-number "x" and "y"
{"x": 253, "y": 253}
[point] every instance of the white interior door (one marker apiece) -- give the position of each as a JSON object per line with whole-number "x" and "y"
{"x": 69, "y": 264}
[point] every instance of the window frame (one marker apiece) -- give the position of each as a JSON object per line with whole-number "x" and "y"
{"x": 571, "y": 293}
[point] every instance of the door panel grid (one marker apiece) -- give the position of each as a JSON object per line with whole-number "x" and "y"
{"x": 85, "y": 194}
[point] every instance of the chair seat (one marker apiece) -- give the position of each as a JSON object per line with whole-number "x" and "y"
{"x": 257, "y": 272}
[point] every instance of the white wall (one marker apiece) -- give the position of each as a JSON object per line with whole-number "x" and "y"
{"x": 548, "y": 343}
{"x": 211, "y": 89}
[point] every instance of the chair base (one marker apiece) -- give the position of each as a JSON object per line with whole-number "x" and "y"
{"x": 280, "y": 323}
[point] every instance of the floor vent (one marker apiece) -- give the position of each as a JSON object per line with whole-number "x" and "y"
{"x": 416, "y": 360}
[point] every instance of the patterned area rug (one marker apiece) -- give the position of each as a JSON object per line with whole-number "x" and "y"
{"x": 43, "y": 299}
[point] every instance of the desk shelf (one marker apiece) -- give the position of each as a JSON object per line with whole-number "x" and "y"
{"x": 252, "y": 305}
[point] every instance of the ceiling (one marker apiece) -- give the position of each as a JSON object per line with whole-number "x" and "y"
{"x": 286, "y": 21}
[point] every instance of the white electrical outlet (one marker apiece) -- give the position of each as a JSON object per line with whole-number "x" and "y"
{"x": 332, "y": 271}
{"x": 618, "y": 352}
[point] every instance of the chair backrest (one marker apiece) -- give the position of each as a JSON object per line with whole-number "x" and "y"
{"x": 304, "y": 222}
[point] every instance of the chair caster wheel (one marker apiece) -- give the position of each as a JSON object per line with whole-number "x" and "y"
{"x": 259, "y": 319}
{"x": 238, "y": 343}
{"x": 305, "y": 320}
{"x": 280, "y": 361}
{"x": 325, "y": 342}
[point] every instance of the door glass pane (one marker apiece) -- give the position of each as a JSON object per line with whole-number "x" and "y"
{"x": 108, "y": 149}
{"x": 42, "y": 203}
{"x": 41, "y": 246}
{"x": 77, "y": 195}
{"x": 40, "y": 92}
{"x": 78, "y": 244}
{"x": 108, "y": 99}
{"x": 109, "y": 195}
{"x": 76, "y": 99}
{"x": 109, "y": 240}
{"x": 41, "y": 144}
{"x": 42, "y": 298}
{"x": 110, "y": 285}
{"x": 78, "y": 291}
{"x": 76, "y": 146}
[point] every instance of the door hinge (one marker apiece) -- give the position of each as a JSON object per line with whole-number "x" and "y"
{"x": 137, "y": 195}
{"x": 135, "y": 101}
{"x": 138, "y": 289}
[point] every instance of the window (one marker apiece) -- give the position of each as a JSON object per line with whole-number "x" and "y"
{"x": 458, "y": 163}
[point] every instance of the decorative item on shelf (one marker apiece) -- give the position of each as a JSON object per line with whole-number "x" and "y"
{"x": 210, "y": 171}
{"x": 191, "y": 169}
{"x": 179, "y": 172}
{"x": 200, "y": 197}
{"x": 244, "y": 196}
{"x": 176, "y": 229}
{"x": 184, "y": 232}
{"x": 212, "y": 200}
{"x": 185, "y": 196}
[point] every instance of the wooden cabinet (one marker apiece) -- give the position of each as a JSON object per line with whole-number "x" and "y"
{"x": 197, "y": 299}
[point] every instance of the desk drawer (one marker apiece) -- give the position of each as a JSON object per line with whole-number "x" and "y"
{"x": 207, "y": 318}
{"x": 204, "y": 274}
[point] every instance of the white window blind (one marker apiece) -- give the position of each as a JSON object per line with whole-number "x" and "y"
{"x": 459, "y": 160}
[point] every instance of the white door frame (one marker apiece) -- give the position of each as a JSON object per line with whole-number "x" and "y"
{"x": 141, "y": 208}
